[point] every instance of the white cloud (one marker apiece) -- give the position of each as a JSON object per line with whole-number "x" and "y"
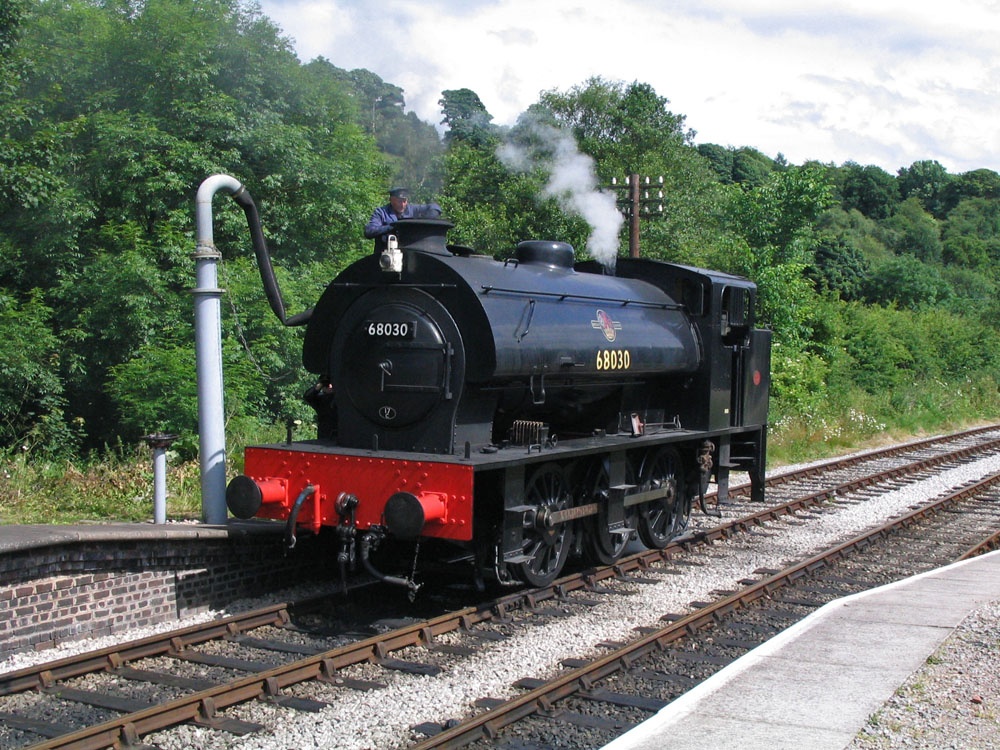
{"x": 885, "y": 82}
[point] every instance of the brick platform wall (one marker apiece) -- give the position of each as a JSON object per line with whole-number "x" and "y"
{"x": 52, "y": 595}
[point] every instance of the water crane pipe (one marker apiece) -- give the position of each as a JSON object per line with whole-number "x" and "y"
{"x": 208, "y": 333}
{"x": 208, "y": 352}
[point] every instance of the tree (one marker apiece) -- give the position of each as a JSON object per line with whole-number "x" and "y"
{"x": 777, "y": 221}
{"x": 628, "y": 128}
{"x": 32, "y": 401}
{"x": 972, "y": 233}
{"x": 974, "y": 294}
{"x": 11, "y": 12}
{"x": 965, "y": 251}
{"x": 871, "y": 190}
{"x": 907, "y": 282}
{"x": 928, "y": 181}
{"x": 751, "y": 167}
{"x": 915, "y": 231}
{"x": 97, "y": 186}
{"x": 855, "y": 230}
{"x": 721, "y": 159}
{"x": 839, "y": 267}
{"x": 979, "y": 183}
{"x": 380, "y": 102}
{"x": 416, "y": 154}
{"x": 466, "y": 116}
{"x": 495, "y": 207}
{"x": 746, "y": 166}
{"x": 783, "y": 210}
{"x": 879, "y": 359}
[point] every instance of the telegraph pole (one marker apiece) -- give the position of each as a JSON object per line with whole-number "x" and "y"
{"x": 638, "y": 201}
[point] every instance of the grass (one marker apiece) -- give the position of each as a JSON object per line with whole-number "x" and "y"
{"x": 869, "y": 421}
{"x": 117, "y": 489}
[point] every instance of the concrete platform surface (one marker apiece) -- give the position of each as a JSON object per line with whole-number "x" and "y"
{"x": 20, "y": 538}
{"x": 815, "y": 685}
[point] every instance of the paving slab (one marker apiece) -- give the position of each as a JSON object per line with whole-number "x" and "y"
{"x": 815, "y": 684}
{"x": 19, "y": 538}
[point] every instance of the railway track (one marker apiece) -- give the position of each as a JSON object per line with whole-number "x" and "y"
{"x": 141, "y": 690}
{"x": 591, "y": 703}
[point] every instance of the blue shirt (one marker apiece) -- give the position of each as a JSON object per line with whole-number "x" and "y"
{"x": 383, "y": 218}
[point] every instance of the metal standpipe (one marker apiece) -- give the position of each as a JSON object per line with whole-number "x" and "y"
{"x": 208, "y": 352}
{"x": 159, "y": 442}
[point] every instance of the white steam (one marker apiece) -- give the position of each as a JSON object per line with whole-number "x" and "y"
{"x": 571, "y": 180}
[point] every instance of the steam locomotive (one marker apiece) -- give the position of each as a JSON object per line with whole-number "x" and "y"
{"x": 520, "y": 411}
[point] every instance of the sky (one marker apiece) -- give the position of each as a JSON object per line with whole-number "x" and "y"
{"x": 881, "y": 82}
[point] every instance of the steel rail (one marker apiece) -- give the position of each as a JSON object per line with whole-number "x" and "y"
{"x": 989, "y": 544}
{"x": 112, "y": 657}
{"x": 580, "y": 679}
{"x": 202, "y": 707}
{"x": 776, "y": 480}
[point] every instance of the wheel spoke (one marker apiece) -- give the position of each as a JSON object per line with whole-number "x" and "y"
{"x": 547, "y": 548}
{"x": 660, "y": 520}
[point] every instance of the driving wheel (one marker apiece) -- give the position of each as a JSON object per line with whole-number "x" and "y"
{"x": 602, "y": 543}
{"x": 662, "y": 519}
{"x": 544, "y": 543}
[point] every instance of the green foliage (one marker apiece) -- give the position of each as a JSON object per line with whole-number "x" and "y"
{"x": 839, "y": 267}
{"x": 973, "y": 293}
{"x": 776, "y": 221}
{"x": 261, "y": 357}
{"x": 116, "y": 486}
{"x": 914, "y": 231}
{"x": 979, "y": 183}
{"x": 890, "y": 348}
{"x": 97, "y": 187}
{"x": 751, "y": 167}
{"x": 31, "y": 394}
{"x": 965, "y": 250}
{"x": 855, "y": 230}
{"x": 927, "y": 181}
{"x": 494, "y": 208}
{"x": 886, "y": 371}
{"x": 411, "y": 148}
{"x": 880, "y": 360}
{"x": 972, "y": 233}
{"x": 466, "y": 117}
{"x": 881, "y": 290}
{"x": 721, "y": 160}
{"x": 907, "y": 282}
{"x": 380, "y": 102}
{"x": 629, "y": 129}
{"x": 798, "y": 382}
{"x": 871, "y": 190}
{"x": 783, "y": 210}
{"x": 11, "y": 12}
{"x": 156, "y": 391}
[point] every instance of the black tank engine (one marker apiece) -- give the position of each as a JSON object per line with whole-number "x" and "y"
{"x": 521, "y": 409}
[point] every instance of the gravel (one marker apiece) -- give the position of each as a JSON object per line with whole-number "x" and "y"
{"x": 381, "y": 719}
{"x": 953, "y": 701}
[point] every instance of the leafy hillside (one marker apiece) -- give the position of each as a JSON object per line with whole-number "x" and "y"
{"x": 881, "y": 288}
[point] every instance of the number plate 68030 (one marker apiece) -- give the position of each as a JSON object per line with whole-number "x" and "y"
{"x": 390, "y": 330}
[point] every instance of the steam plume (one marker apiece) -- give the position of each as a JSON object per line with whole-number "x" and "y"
{"x": 571, "y": 180}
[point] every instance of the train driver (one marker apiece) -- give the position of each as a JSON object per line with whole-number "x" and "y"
{"x": 380, "y": 225}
